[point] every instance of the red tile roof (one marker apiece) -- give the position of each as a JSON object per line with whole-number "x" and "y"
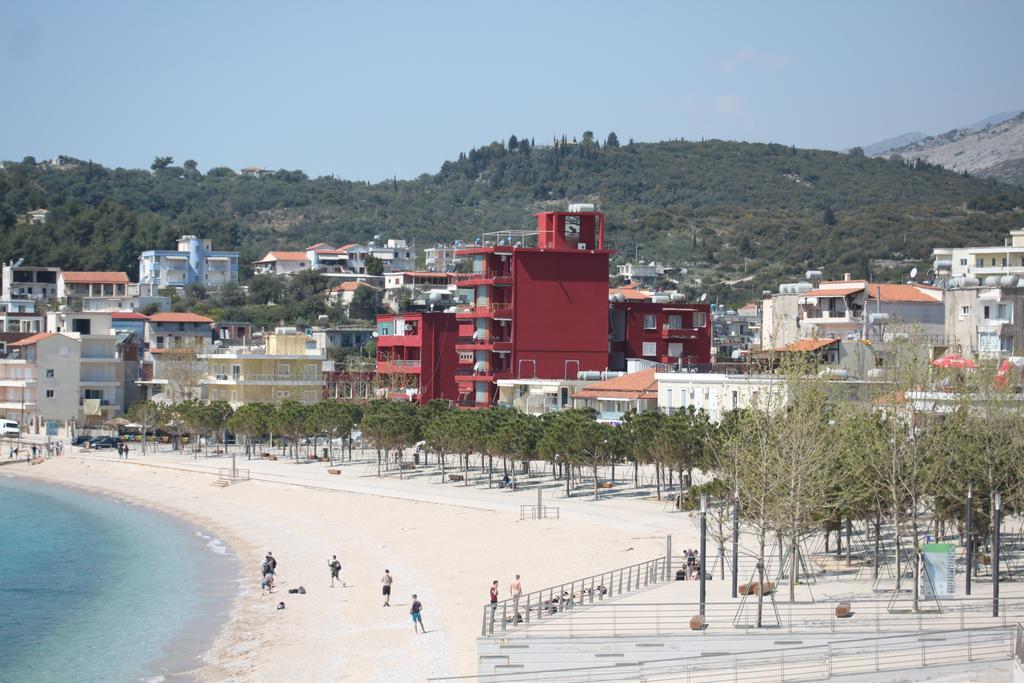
{"x": 835, "y": 291}
{"x": 179, "y": 318}
{"x": 631, "y": 387}
{"x": 804, "y": 345}
{"x": 128, "y": 315}
{"x": 353, "y": 286}
{"x": 28, "y": 341}
{"x": 906, "y": 293}
{"x": 283, "y": 256}
{"x": 629, "y": 293}
{"x": 94, "y": 277}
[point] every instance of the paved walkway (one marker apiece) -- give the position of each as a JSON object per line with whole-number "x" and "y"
{"x": 639, "y": 514}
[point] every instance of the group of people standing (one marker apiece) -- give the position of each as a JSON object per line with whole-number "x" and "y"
{"x": 693, "y": 564}
{"x": 122, "y": 450}
{"x": 52, "y": 448}
{"x": 268, "y": 569}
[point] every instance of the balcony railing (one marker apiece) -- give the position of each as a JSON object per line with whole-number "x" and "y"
{"x": 678, "y": 332}
{"x": 483, "y": 340}
{"x": 401, "y": 363}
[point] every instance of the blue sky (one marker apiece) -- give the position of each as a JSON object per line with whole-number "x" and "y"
{"x": 371, "y": 90}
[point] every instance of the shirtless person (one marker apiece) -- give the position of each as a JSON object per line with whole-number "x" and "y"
{"x": 386, "y": 587}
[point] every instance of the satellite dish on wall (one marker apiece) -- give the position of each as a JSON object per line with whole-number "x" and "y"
{"x": 913, "y": 272}
{"x": 704, "y": 296}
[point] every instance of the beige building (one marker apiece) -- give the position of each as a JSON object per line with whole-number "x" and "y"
{"x": 986, "y": 321}
{"x": 849, "y": 309}
{"x": 101, "y": 379}
{"x": 981, "y": 262}
{"x": 289, "y": 366}
{"x": 39, "y": 381}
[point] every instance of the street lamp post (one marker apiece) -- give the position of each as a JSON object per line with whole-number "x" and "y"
{"x": 735, "y": 540}
{"x": 970, "y": 535}
{"x": 995, "y": 558}
{"x": 703, "y": 550}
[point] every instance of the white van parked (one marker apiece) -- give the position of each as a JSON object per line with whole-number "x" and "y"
{"x": 9, "y": 428}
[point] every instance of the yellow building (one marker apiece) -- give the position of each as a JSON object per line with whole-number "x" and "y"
{"x": 288, "y": 367}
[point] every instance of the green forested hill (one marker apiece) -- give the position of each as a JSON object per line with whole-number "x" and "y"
{"x": 719, "y": 209}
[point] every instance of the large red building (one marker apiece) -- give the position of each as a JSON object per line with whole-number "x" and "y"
{"x": 534, "y": 311}
{"x": 666, "y": 332}
{"x": 416, "y": 355}
{"x": 539, "y": 310}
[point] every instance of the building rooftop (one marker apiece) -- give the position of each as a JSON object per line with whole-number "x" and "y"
{"x": 805, "y": 345}
{"x": 29, "y": 341}
{"x": 128, "y": 315}
{"x": 631, "y": 387}
{"x": 353, "y": 286}
{"x": 172, "y": 317}
{"x": 283, "y": 256}
{"x": 95, "y": 277}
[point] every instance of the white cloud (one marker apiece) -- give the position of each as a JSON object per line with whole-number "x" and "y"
{"x": 728, "y": 104}
{"x": 759, "y": 59}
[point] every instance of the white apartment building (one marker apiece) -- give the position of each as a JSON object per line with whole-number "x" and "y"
{"x": 396, "y": 255}
{"x": 981, "y": 262}
{"x": 716, "y": 394}
{"x": 986, "y": 321}
{"x": 39, "y": 381}
{"x": 38, "y": 283}
{"x": 193, "y": 263}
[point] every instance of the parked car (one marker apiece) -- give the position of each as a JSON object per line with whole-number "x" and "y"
{"x": 80, "y": 440}
{"x": 9, "y": 428}
{"x": 104, "y": 442}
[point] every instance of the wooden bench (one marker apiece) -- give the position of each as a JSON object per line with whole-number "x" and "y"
{"x": 606, "y": 485}
{"x": 408, "y": 466}
{"x": 698, "y": 622}
{"x": 333, "y": 470}
{"x": 455, "y": 477}
{"x": 843, "y": 610}
{"x": 756, "y": 588}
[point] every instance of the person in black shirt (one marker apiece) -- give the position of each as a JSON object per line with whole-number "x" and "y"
{"x": 415, "y": 611}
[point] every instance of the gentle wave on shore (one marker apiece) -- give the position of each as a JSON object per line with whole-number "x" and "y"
{"x": 97, "y": 589}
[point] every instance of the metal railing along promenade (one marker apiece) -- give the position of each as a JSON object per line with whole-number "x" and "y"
{"x": 809, "y": 663}
{"x": 537, "y": 606}
{"x": 632, "y": 619}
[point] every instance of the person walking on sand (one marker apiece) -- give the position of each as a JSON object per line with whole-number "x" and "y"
{"x": 267, "y": 584}
{"x": 335, "y": 569}
{"x": 271, "y": 562}
{"x": 416, "y": 611}
{"x": 516, "y": 591}
{"x": 386, "y": 581}
{"x": 494, "y": 595}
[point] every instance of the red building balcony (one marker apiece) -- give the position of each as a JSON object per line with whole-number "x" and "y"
{"x": 668, "y": 333}
{"x": 498, "y": 309}
{"x": 392, "y": 340}
{"x": 398, "y": 366}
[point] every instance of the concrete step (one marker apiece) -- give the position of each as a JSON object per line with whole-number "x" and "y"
{"x": 223, "y": 483}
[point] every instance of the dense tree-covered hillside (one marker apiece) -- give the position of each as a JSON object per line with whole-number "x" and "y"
{"x": 722, "y": 210}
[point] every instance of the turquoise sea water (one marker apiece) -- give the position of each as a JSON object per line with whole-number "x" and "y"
{"x": 94, "y": 589}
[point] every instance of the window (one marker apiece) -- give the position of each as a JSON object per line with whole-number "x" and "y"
{"x": 284, "y": 370}
{"x": 675, "y": 322}
{"x": 979, "y": 262}
{"x": 650, "y": 349}
{"x": 282, "y": 394}
{"x": 80, "y": 325}
{"x": 668, "y": 398}
{"x": 49, "y": 373}
{"x": 49, "y": 393}
{"x": 985, "y": 312}
{"x": 964, "y": 311}
{"x": 700, "y": 319}
{"x": 181, "y": 327}
{"x": 650, "y": 322}
{"x": 309, "y": 397}
{"x": 963, "y": 262}
{"x": 675, "y": 350}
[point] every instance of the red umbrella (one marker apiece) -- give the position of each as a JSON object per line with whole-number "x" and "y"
{"x": 954, "y": 361}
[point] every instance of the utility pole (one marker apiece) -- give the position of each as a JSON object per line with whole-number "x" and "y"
{"x": 970, "y": 535}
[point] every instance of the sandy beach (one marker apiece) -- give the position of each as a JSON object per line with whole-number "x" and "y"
{"x": 447, "y": 551}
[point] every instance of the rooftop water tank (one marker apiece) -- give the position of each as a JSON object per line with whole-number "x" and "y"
{"x": 802, "y": 287}
{"x": 677, "y": 296}
{"x": 659, "y": 299}
{"x": 970, "y": 281}
{"x": 992, "y": 281}
{"x": 581, "y": 208}
{"x": 875, "y": 318}
{"x": 813, "y": 274}
{"x": 1008, "y": 281}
